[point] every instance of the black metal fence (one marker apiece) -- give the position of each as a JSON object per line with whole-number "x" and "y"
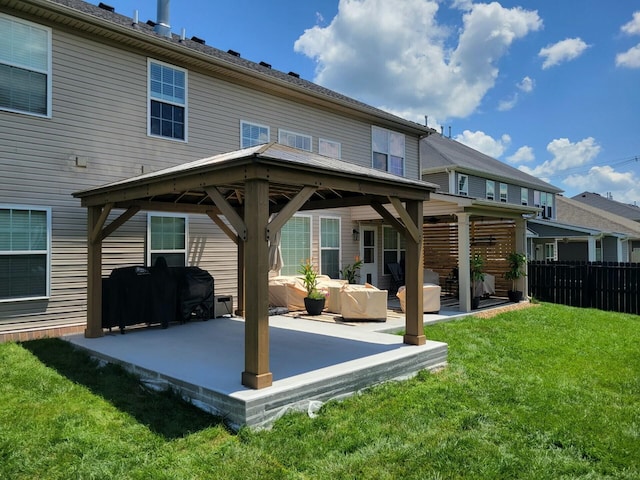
{"x": 603, "y": 285}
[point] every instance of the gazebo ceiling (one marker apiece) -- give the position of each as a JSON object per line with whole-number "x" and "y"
{"x": 188, "y": 187}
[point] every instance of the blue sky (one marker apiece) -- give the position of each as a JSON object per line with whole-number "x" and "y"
{"x": 548, "y": 86}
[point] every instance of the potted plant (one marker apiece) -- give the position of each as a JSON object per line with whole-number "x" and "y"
{"x": 351, "y": 273}
{"x": 477, "y": 276}
{"x": 516, "y": 263}
{"x": 314, "y": 301}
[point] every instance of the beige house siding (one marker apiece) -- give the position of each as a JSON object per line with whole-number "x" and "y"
{"x": 99, "y": 118}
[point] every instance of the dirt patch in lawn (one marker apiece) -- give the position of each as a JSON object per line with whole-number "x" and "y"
{"x": 507, "y": 308}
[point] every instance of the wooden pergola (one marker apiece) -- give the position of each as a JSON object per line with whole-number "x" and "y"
{"x": 246, "y": 187}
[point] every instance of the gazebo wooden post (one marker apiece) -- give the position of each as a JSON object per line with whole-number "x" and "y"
{"x": 240, "y": 305}
{"x": 94, "y": 274}
{"x": 256, "y": 266}
{"x": 414, "y": 274}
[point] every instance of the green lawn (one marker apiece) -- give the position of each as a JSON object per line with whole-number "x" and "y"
{"x": 546, "y": 392}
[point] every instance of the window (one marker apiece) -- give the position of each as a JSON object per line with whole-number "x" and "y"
{"x": 167, "y": 101}
{"x": 463, "y": 185}
{"x": 524, "y": 196}
{"x": 504, "y": 190}
{"x": 393, "y": 248}
{"x": 388, "y": 150}
{"x": 25, "y": 251}
{"x": 330, "y": 247}
{"x": 252, "y": 134}
{"x": 550, "y": 252}
{"x": 491, "y": 190}
{"x": 329, "y": 148}
{"x": 25, "y": 67}
{"x": 296, "y": 140}
{"x": 167, "y": 237}
{"x": 295, "y": 243}
{"x": 543, "y": 200}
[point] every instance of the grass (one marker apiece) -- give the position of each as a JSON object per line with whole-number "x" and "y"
{"x": 546, "y": 392}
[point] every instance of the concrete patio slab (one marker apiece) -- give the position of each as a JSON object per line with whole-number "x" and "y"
{"x": 311, "y": 362}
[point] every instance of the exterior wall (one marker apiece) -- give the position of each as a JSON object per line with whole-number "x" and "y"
{"x": 99, "y": 116}
{"x": 441, "y": 179}
{"x": 573, "y": 251}
{"x": 610, "y": 249}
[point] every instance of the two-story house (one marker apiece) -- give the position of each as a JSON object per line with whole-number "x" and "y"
{"x": 89, "y": 98}
{"x": 481, "y": 207}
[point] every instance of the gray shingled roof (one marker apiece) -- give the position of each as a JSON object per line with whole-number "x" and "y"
{"x": 214, "y": 53}
{"x": 577, "y": 213}
{"x": 631, "y": 212}
{"x": 440, "y": 153}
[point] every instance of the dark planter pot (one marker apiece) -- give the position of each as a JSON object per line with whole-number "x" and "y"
{"x": 314, "y": 306}
{"x": 475, "y": 303}
{"x": 515, "y": 296}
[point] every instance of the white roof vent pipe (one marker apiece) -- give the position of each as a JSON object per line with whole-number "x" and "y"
{"x": 162, "y": 25}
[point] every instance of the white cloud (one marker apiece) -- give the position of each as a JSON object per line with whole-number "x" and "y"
{"x": 633, "y": 26}
{"x": 562, "y": 51}
{"x": 397, "y": 54}
{"x": 630, "y": 58}
{"x": 485, "y": 143}
{"x": 566, "y": 155}
{"x": 508, "y": 104}
{"x": 624, "y": 186}
{"x": 526, "y": 85}
{"x": 522, "y": 155}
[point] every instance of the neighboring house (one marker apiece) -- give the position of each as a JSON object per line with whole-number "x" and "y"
{"x": 90, "y": 97}
{"x": 482, "y": 207}
{"x": 583, "y": 232}
{"x": 625, "y": 210}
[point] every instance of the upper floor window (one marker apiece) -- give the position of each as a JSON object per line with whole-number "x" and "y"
{"x": 524, "y": 196}
{"x": 544, "y": 200}
{"x": 25, "y": 67}
{"x": 504, "y": 190}
{"x": 25, "y": 251}
{"x": 388, "y": 150}
{"x": 329, "y": 148}
{"x": 296, "y": 140}
{"x": 167, "y": 101}
{"x": 463, "y": 184}
{"x": 167, "y": 237}
{"x": 252, "y": 134}
{"x": 491, "y": 190}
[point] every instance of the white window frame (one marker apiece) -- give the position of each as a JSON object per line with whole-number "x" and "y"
{"x": 244, "y": 123}
{"x": 504, "y": 193}
{"x": 184, "y": 105}
{"x": 387, "y": 148}
{"x": 45, "y": 71}
{"x": 150, "y": 251}
{"x": 397, "y": 249}
{"x": 324, "y": 249}
{"x": 328, "y": 147}
{"x": 524, "y": 196}
{"x": 550, "y": 252}
{"x": 463, "y": 191}
{"x": 46, "y": 252}
{"x": 284, "y": 137}
{"x": 491, "y": 190}
{"x": 292, "y": 269}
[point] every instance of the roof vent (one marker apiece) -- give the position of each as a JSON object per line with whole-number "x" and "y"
{"x": 294, "y": 74}
{"x": 233, "y": 52}
{"x": 106, "y": 7}
{"x": 265, "y": 64}
{"x": 162, "y": 27}
{"x": 151, "y": 23}
{"x": 197, "y": 40}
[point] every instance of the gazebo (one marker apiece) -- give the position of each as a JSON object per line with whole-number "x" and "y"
{"x": 246, "y": 187}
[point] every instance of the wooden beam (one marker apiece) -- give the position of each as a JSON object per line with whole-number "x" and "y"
{"x": 414, "y": 273}
{"x": 228, "y": 211}
{"x": 412, "y": 229}
{"x": 389, "y": 218}
{"x": 223, "y": 226}
{"x": 94, "y": 275}
{"x": 170, "y": 207}
{"x": 256, "y": 266}
{"x": 97, "y": 229}
{"x": 290, "y": 209}
{"x": 118, "y": 222}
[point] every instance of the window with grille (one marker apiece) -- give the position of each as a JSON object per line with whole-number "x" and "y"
{"x": 296, "y": 140}
{"x": 295, "y": 244}
{"x": 25, "y": 251}
{"x": 330, "y": 246}
{"x": 25, "y": 67}
{"x": 329, "y": 148}
{"x": 388, "y": 150}
{"x": 167, "y": 101}
{"x": 252, "y": 134}
{"x": 167, "y": 237}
